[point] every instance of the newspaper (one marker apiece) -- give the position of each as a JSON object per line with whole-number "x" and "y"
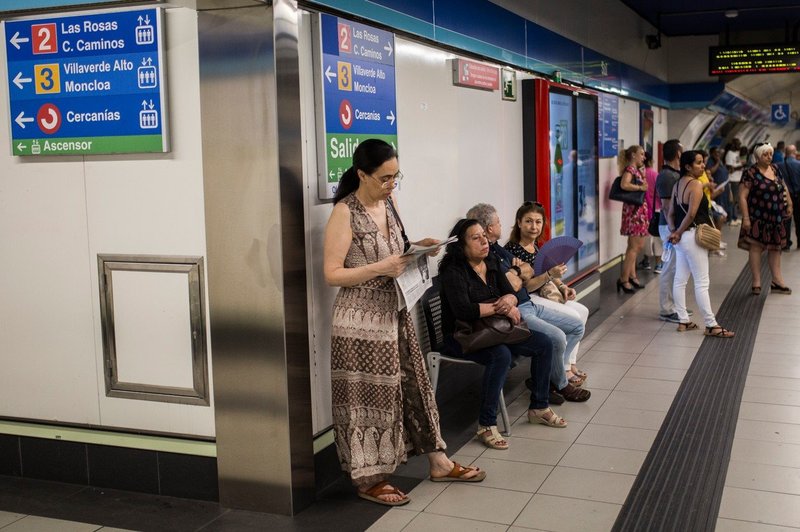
{"x": 416, "y": 279}
{"x": 413, "y": 282}
{"x": 414, "y": 249}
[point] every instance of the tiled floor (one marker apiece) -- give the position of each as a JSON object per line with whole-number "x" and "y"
{"x": 576, "y": 479}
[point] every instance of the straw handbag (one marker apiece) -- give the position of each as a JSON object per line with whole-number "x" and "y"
{"x": 708, "y": 237}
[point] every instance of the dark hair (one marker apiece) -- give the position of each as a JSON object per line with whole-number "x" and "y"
{"x": 648, "y": 159}
{"x": 454, "y": 252}
{"x": 703, "y": 153}
{"x": 687, "y": 159}
{"x": 671, "y": 149}
{"x": 525, "y": 208}
{"x": 367, "y": 157}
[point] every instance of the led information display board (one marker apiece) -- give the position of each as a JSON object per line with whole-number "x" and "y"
{"x": 753, "y": 59}
{"x": 358, "y": 94}
{"x": 87, "y": 84}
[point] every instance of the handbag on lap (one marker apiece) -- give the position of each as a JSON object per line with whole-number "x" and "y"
{"x": 489, "y": 331}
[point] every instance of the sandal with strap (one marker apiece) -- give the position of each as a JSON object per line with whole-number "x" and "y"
{"x": 575, "y": 394}
{"x": 718, "y": 331}
{"x": 576, "y": 380}
{"x": 374, "y": 493}
{"x": 491, "y": 438}
{"x": 575, "y": 371}
{"x": 755, "y": 290}
{"x": 688, "y": 326}
{"x": 546, "y": 417}
{"x": 778, "y": 289}
{"x": 458, "y": 472}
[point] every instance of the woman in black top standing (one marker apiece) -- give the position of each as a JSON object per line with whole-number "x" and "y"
{"x": 472, "y": 287}
{"x": 690, "y": 208}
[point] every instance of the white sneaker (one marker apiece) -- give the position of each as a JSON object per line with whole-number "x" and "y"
{"x": 723, "y": 245}
{"x": 736, "y": 222}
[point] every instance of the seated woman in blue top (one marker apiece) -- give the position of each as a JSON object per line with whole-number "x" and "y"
{"x": 473, "y": 287}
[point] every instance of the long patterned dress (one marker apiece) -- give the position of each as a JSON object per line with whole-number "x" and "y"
{"x": 383, "y": 405}
{"x": 767, "y": 209}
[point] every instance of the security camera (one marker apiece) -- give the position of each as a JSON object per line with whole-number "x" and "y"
{"x": 653, "y": 41}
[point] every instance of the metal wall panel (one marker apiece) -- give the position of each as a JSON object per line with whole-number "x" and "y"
{"x": 256, "y": 256}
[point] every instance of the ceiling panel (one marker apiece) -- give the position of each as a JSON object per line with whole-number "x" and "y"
{"x": 705, "y": 17}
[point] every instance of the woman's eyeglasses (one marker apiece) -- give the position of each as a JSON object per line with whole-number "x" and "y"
{"x": 389, "y": 181}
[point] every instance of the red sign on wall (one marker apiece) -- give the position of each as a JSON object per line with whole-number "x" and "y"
{"x": 468, "y": 73}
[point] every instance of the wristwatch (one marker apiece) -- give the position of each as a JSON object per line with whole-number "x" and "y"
{"x": 517, "y": 270}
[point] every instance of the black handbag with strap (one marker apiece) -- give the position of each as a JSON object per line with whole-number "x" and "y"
{"x": 634, "y": 197}
{"x": 655, "y": 218}
{"x": 489, "y": 331}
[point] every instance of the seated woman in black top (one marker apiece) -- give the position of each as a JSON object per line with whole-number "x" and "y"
{"x": 470, "y": 281}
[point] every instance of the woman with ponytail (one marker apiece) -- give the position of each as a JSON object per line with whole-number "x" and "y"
{"x": 382, "y": 399}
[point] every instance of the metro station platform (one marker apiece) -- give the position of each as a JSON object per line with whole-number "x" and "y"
{"x": 719, "y": 417}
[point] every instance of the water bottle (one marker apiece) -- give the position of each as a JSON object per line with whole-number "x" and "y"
{"x": 668, "y": 251}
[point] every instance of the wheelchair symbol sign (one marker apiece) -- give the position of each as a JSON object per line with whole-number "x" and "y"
{"x": 780, "y": 113}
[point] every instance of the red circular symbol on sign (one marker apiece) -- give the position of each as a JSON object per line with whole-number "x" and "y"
{"x": 346, "y": 114}
{"x": 49, "y": 118}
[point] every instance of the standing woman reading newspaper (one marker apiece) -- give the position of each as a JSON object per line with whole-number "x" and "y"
{"x": 381, "y": 394}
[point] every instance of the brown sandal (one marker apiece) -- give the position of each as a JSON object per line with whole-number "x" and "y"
{"x": 572, "y": 393}
{"x": 491, "y": 438}
{"x": 458, "y": 472}
{"x": 721, "y": 332}
{"x": 688, "y": 326}
{"x": 374, "y": 493}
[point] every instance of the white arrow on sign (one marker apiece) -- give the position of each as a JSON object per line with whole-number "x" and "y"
{"x": 21, "y": 119}
{"x": 21, "y": 146}
{"x": 16, "y": 39}
{"x": 330, "y": 174}
{"x": 390, "y": 117}
{"x": 19, "y": 80}
{"x": 329, "y": 74}
{"x": 388, "y": 48}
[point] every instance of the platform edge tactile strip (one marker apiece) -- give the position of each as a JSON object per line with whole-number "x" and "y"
{"x": 679, "y": 486}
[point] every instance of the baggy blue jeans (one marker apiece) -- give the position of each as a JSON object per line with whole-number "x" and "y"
{"x": 563, "y": 330}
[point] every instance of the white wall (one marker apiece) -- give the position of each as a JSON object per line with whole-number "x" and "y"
{"x": 458, "y": 147}
{"x": 56, "y": 215}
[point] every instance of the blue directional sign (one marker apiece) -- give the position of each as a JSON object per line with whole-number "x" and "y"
{"x": 87, "y": 84}
{"x": 608, "y": 122}
{"x": 780, "y": 113}
{"x": 358, "y": 93}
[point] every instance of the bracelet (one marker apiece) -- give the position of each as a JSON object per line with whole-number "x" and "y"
{"x": 517, "y": 270}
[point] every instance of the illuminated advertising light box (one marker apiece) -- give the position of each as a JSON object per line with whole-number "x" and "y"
{"x": 753, "y": 59}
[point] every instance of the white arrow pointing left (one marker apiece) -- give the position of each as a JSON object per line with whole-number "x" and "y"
{"x": 329, "y": 74}
{"x": 21, "y": 119}
{"x": 19, "y": 80}
{"x": 16, "y": 39}
{"x": 21, "y": 146}
{"x": 390, "y": 117}
{"x": 388, "y": 48}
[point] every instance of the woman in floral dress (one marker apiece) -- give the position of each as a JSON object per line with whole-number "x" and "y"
{"x": 765, "y": 204}
{"x": 635, "y": 218}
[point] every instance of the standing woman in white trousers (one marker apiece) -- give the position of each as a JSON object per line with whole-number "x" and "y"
{"x": 690, "y": 208}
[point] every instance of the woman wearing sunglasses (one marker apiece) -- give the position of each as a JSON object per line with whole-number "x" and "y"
{"x": 381, "y": 394}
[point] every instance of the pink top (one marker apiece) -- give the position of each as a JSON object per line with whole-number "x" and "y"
{"x": 650, "y": 176}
